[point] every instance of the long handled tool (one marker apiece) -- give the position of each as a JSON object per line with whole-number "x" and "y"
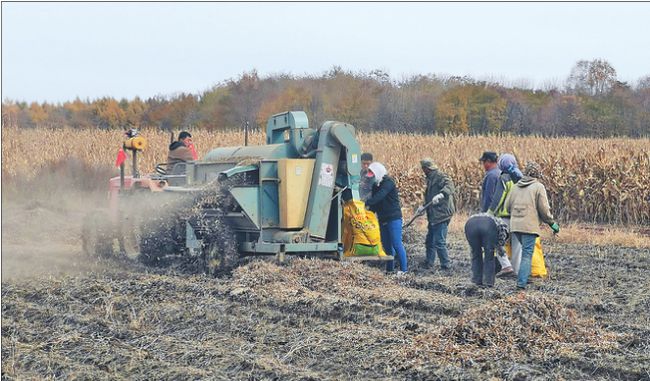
{"x": 424, "y": 208}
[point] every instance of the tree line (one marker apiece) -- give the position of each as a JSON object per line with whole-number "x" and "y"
{"x": 590, "y": 102}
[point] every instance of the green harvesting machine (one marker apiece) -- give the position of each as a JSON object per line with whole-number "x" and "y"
{"x": 284, "y": 197}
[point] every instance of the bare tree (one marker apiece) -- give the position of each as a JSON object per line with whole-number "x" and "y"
{"x": 596, "y": 77}
{"x": 643, "y": 83}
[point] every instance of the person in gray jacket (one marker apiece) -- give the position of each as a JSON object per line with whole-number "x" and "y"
{"x": 365, "y": 186}
{"x": 439, "y": 198}
{"x": 528, "y": 205}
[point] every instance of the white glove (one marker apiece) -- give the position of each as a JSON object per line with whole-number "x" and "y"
{"x": 420, "y": 210}
{"x": 436, "y": 199}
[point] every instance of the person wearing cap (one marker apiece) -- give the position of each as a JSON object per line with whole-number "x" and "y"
{"x": 529, "y": 207}
{"x": 385, "y": 202}
{"x": 489, "y": 161}
{"x": 439, "y": 202}
{"x": 365, "y": 186}
{"x": 180, "y": 151}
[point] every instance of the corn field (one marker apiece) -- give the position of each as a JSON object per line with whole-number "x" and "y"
{"x": 591, "y": 180}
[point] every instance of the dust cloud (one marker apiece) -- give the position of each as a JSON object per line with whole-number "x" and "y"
{"x": 42, "y": 218}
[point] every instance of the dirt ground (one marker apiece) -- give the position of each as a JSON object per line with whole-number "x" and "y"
{"x": 65, "y": 316}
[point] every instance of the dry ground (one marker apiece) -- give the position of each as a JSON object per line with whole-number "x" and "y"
{"x": 67, "y": 317}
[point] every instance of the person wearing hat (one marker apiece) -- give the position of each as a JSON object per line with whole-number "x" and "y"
{"x": 510, "y": 174}
{"x": 439, "y": 198}
{"x": 385, "y": 202}
{"x": 528, "y": 206}
{"x": 180, "y": 151}
{"x": 490, "y": 180}
{"x": 365, "y": 186}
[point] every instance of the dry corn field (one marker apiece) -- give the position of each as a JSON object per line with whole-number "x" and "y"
{"x": 66, "y": 315}
{"x": 591, "y": 180}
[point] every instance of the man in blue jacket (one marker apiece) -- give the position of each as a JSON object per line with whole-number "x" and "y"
{"x": 489, "y": 160}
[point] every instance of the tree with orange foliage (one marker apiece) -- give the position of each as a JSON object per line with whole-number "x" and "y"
{"x": 290, "y": 99}
{"x": 37, "y": 114}
{"x": 474, "y": 108}
{"x": 108, "y": 113}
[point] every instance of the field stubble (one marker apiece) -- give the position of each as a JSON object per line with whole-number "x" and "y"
{"x": 323, "y": 320}
{"x": 66, "y": 316}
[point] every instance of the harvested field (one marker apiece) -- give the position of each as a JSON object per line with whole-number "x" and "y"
{"x": 65, "y": 316}
{"x": 323, "y": 320}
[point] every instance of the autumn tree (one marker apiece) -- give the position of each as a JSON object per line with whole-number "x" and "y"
{"x": 10, "y": 114}
{"x": 213, "y": 108}
{"x": 134, "y": 112}
{"x": 408, "y": 105}
{"x": 37, "y": 114}
{"x": 350, "y": 98}
{"x": 471, "y": 108}
{"x": 290, "y": 99}
{"x": 595, "y": 103}
{"x": 107, "y": 113}
{"x": 246, "y": 98}
{"x": 78, "y": 114}
{"x": 595, "y": 78}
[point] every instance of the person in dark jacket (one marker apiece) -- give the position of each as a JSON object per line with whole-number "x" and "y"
{"x": 385, "y": 202}
{"x": 439, "y": 196}
{"x": 510, "y": 174}
{"x": 490, "y": 180}
{"x": 365, "y": 186}
{"x": 180, "y": 151}
{"x": 485, "y": 234}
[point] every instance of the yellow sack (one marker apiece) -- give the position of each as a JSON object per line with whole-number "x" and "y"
{"x": 538, "y": 266}
{"x": 361, "y": 234}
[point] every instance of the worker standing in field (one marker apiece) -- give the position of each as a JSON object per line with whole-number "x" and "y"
{"x": 385, "y": 202}
{"x": 439, "y": 196}
{"x": 510, "y": 174}
{"x": 180, "y": 151}
{"x": 528, "y": 206}
{"x": 490, "y": 180}
{"x": 365, "y": 186}
{"x": 485, "y": 235}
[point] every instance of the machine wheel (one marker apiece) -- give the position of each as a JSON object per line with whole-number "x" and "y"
{"x": 97, "y": 235}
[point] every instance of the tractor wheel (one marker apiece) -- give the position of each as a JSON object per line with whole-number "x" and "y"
{"x": 97, "y": 235}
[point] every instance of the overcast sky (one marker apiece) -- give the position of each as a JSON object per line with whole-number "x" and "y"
{"x": 56, "y": 52}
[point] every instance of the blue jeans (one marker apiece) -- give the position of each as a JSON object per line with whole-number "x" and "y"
{"x": 527, "y": 249}
{"x": 437, "y": 242}
{"x": 391, "y": 239}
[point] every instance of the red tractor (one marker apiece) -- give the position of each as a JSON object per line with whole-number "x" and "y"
{"x": 130, "y": 228}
